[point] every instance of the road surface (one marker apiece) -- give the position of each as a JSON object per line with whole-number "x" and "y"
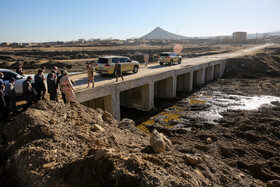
{"x": 81, "y": 79}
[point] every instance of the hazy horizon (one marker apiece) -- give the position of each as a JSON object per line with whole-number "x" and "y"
{"x": 44, "y": 21}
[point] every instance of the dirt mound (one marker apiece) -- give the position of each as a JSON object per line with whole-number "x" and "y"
{"x": 267, "y": 62}
{"x": 54, "y": 144}
{"x": 60, "y": 65}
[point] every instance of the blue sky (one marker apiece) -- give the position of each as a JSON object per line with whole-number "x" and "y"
{"x": 65, "y": 20}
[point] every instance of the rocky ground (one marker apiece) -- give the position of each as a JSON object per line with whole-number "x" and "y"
{"x": 52, "y": 144}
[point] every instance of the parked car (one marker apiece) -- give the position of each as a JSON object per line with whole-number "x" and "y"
{"x": 19, "y": 79}
{"x": 106, "y": 65}
{"x": 169, "y": 58}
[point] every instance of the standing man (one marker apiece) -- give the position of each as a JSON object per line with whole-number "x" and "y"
{"x": 1, "y": 78}
{"x": 55, "y": 71}
{"x": 28, "y": 92}
{"x": 39, "y": 84}
{"x": 56, "y": 74}
{"x": 4, "y": 104}
{"x": 52, "y": 87}
{"x": 90, "y": 72}
{"x": 19, "y": 69}
{"x": 118, "y": 70}
{"x": 146, "y": 59}
{"x": 11, "y": 94}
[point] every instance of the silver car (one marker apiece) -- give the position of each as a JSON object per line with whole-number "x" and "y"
{"x": 19, "y": 79}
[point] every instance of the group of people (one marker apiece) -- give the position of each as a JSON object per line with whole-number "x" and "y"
{"x": 37, "y": 91}
{"x": 7, "y": 97}
{"x": 51, "y": 84}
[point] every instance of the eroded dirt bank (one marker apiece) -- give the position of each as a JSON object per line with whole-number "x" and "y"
{"x": 52, "y": 144}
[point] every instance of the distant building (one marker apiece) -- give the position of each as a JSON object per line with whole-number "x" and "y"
{"x": 239, "y": 36}
{"x": 129, "y": 41}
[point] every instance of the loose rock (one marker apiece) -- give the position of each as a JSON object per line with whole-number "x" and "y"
{"x": 107, "y": 115}
{"x": 97, "y": 128}
{"x": 208, "y": 140}
{"x": 159, "y": 142}
{"x": 192, "y": 159}
{"x": 46, "y": 131}
{"x": 102, "y": 153}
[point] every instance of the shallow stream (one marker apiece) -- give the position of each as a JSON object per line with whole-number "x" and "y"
{"x": 208, "y": 107}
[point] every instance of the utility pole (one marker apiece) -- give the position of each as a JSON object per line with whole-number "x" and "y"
{"x": 177, "y": 30}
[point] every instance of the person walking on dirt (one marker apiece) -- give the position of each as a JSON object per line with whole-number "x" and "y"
{"x": 19, "y": 69}
{"x": 29, "y": 94}
{"x": 146, "y": 59}
{"x": 67, "y": 87}
{"x": 11, "y": 93}
{"x": 39, "y": 84}
{"x": 52, "y": 87}
{"x": 118, "y": 71}
{"x": 4, "y": 104}
{"x": 56, "y": 74}
{"x": 90, "y": 72}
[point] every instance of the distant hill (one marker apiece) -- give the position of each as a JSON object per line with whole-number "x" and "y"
{"x": 158, "y": 33}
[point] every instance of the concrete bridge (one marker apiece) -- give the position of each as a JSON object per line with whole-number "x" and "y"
{"x": 139, "y": 90}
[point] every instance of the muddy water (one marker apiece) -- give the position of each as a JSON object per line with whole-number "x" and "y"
{"x": 220, "y": 102}
{"x": 206, "y": 106}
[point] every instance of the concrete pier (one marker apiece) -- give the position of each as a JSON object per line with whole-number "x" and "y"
{"x": 209, "y": 74}
{"x": 199, "y": 77}
{"x": 164, "y": 88}
{"x": 185, "y": 82}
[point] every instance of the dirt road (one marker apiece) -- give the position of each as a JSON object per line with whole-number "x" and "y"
{"x": 81, "y": 79}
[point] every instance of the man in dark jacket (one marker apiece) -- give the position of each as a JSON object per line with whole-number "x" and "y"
{"x": 39, "y": 84}
{"x": 118, "y": 71}
{"x": 52, "y": 87}
{"x": 54, "y": 71}
{"x": 29, "y": 94}
{"x": 4, "y": 103}
{"x": 56, "y": 74}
